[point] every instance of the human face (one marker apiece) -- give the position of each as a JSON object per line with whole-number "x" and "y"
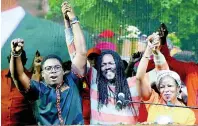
{"x": 52, "y": 71}
{"x": 92, "y": 61}
{"x": 168, "y": 89}
{"x": 108, "y": 67}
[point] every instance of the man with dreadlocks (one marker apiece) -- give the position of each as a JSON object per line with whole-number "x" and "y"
{"x": 105, "y": 84}
{"x": 111, "y": 81}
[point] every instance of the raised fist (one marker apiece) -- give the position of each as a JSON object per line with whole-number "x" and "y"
{"x": 163, "y": 32}
{"x": 136, "y": 57}
{"x": 37, "y": 59}
{"x": 17, "y": 45}
{"x": 154, "y": 41}
{"x": 67, "y": 11}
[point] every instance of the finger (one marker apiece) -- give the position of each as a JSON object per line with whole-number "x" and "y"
{"x": 66, "y": 9}
{"x": 22, "y": 41}
{"x": 15, "y": 41}
{"x": 20, "y": 44}
{"x": 12, "y": 43}
{"x": 38, "y": 60}
{"x": 18, "y": 48}
{"x": 150, "y": 38}
{"x": 64, "y": 3}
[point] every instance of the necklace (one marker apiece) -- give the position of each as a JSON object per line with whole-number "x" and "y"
{"x": 58, "y": 103}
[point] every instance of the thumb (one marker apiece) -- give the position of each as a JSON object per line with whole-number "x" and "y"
{"x": 18, "y": 48}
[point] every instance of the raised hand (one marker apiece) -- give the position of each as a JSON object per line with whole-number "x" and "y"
{"x": 17, "y": 45}
{"x": 36, "y": 68}
{"x": 37, "y": 59}
{"x": 163, "y": 32}
{"x": 67, "y": 11}
{"x": 154, "y": 42}
{"x": 136, "y": 57}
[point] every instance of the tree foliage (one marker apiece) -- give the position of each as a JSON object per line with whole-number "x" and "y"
{"x": 180, "y": 16}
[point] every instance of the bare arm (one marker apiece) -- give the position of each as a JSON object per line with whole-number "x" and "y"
{"x": 160, "y": 63}
{"x": 80, "y": 58}
{"x": 69, "y": 37}
{"x": 21, "y": 80}
{"x": 142, "y": 78}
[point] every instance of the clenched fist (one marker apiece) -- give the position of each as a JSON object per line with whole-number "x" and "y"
{"x": 154, "y": 42}
{"x": 17, "y": 45}
{"x": 67, "y": 11}
{"x": 37, "y": 59}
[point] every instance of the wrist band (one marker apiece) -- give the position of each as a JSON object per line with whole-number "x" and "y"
{"x": 147, "y": 57}
{"x": 15, "y": 54}
{"x": 74, "y": 20}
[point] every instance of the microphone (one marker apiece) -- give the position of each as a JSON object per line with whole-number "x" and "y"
{"x": 119, "y": 105}
{"x": 169, "y": 104}
{"x": 121, "y": 100}
{"x": 121, "y": 96}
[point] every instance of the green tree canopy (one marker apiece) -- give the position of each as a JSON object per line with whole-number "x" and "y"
{"x": 180, "y": 16}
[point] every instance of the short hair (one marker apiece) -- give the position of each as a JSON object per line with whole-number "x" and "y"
{"x": 51, "y": 56}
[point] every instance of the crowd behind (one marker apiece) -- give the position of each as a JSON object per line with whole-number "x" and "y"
{"x": 97, "y": 86}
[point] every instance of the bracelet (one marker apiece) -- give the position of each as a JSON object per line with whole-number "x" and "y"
{"x": 147, "y": 57}
{"x": 74, "y": 20}
{"x": 15, "y": 54}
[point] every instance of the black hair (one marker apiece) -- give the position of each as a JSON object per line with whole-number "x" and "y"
{"x": 51, "y": 56}
{"x": 67, "y": 65}
{"x": 125, "y": 64}
{"x": 121, "y": 84}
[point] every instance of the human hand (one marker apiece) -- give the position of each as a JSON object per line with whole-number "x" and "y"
{"x": 17, "y": 45}
{"x": 136, "y": 57}
{"x": 37, "y": 59}
{"x": 67, "y": 11}
{"x": 154, "y": 42}
{"x": 163, "y": 32}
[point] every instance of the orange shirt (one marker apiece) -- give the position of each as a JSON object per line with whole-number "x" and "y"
{"x": 15, "y": 110}
{"x": 164, "y": 114}
{"x": 188, "y": 71}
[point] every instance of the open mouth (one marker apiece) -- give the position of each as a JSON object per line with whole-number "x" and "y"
{"x": 53, "y": 77}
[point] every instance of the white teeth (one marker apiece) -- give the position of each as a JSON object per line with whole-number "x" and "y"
{"x": 53, "y": 77}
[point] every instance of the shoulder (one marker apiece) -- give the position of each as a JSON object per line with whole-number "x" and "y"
{"x": 39, "y": 85}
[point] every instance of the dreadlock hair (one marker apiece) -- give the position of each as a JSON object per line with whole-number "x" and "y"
{"x": 121, "y": 84}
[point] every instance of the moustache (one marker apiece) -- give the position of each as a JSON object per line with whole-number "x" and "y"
{"x": 109, "y": 69}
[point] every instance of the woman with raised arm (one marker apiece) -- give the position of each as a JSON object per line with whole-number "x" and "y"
{"x": 168, "y": 84}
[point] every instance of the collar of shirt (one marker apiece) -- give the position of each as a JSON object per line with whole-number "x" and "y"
{"x": 10, "y": 19}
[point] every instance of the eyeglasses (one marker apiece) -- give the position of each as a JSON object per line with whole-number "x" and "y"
{"x": 56, "y": 68}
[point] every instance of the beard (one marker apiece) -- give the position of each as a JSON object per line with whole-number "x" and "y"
{"x": 109, "y": 74}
